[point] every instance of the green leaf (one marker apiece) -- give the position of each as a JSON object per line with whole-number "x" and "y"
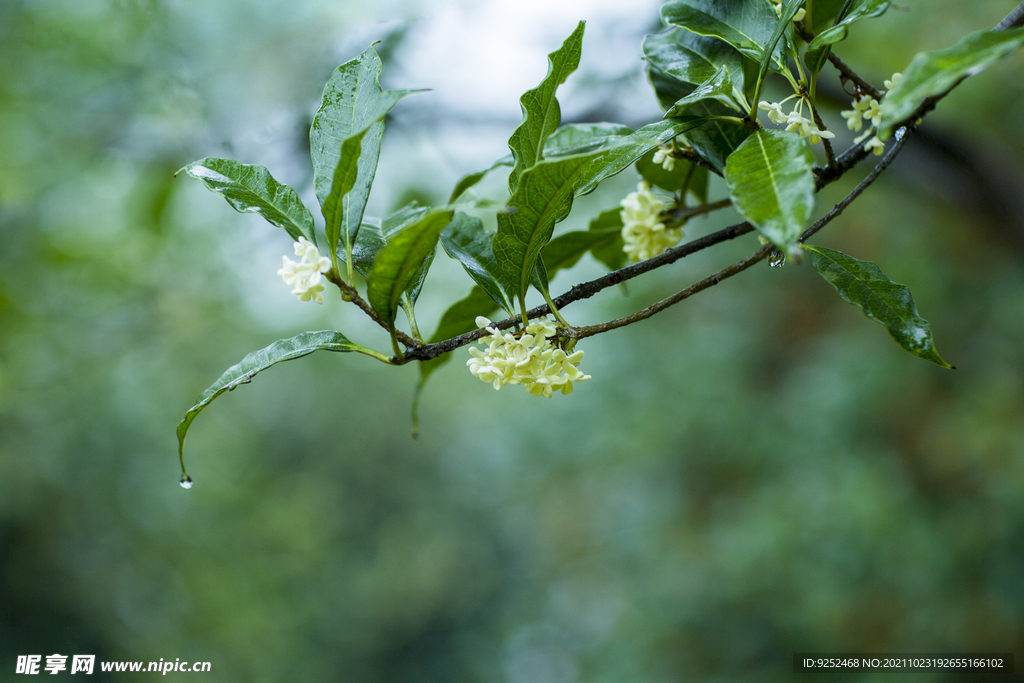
{"x": 541, "y": 113}
{"x": 572, "y": 138}
{"x": 783, "y": 26}
{"x": 863, "y": 283}
{"x": 818, "y": 49}
{"x": 694, "y": 59}
{"x": 611, "y": 253}
{"x": 933, "y": 73}
{"x": 771, "y": 183}
{"x": 543, "y": 197}
{"x": 714, "y": 141}
{"x": 747, "y": 25}
{"x": 683, "y": 175}
{"x": 466, "y": 241}
{"x": 258, "y": 361}
{"x": 719, "y": 87}
{"x": 251, "y": 189}
{"x": 566, "y": 250}
{"x": 821, "y": 14}
{"x": 374, "y": 235}
{"x": 397, "y": 268}
{"x": 345, "y": 144}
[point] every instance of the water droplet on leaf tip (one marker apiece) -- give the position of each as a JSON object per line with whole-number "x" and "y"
{"x": 186, "y": 481}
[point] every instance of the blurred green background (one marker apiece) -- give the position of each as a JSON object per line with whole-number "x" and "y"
{"x": 758, "y": 471}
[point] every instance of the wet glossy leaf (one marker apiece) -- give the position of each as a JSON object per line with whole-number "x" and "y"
{"x": 933, "y": 73}
{"x": 566, "y": 250}
{"x": 258, "y": 361}
{"x": 610, "y": 253}
{"x": 345, "y": 143}
{"x": 821, "y": 14}
{"x": 375, "y": 233}
{"x": 541, "y": 113}
{"x": 864, "y": 284}
{"x": 782, "y": 35}
{"x": 694, "y": 59}
{"x": 771, "y": 183}
{"x": 719, "y": 87}
{"x": 747, "y": 25}
{"x": 714, "y": 141}
{"x": 466, "y": 241}
{"x": 818, "y": 49}
{"x": 683, "y": 174}
{"x": 397, "y": 268}
{"x": 251, "y": 189}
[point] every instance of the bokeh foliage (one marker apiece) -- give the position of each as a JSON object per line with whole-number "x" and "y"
{"x": 757, "y": 472}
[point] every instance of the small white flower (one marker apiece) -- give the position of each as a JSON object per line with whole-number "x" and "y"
{"x": 664, "y": 157}
{"x": 873, "y": 112}
{"x": 875, "y": 145}
{"x": 894, "y": 81}
{"x": 854, "y": 120}
{"x": 643, "y": 233}
{"x": 774, "y": 109}
{"x": 304, "y": 276}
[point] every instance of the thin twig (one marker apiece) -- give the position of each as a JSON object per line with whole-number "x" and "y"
{"x": 848, "y": 74}
{"x": 829, "y": 154}
{"x": 351, "y": 294}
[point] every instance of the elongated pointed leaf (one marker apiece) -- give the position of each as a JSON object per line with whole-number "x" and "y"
{"x": 818, "y": 49}
{"x": 771, "y": 183}
{"x": 345, "y": 143}
{"x": 747, "y": 25}
{"x": 566, "y": 250}
{"x": 541, "y": 113}
{"x": 864, "y": 284}
{"x": 375, "y": 233}
{"x": 572, "y": 138}
{"x": 258, "y": 361}
{"x": 933, "y": 73}
{"x": 251, "y": 189}
{"x": 714, "y": 141}
{"x": 782, "y": 35}
{"x": 692, "y": 58}
{"x": 611, "y": 254}
{"x": 543, "y": 198}
{"x": 466, "y": 241}
{"x": 397, "y": 267}
{"x": 719, "y": 87}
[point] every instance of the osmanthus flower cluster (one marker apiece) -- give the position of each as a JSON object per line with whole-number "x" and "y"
{"x": 867, "y": 108}
{"x": 769, "y": 175}
{"x": 305, "y": 276}
{"x": 532, "y": 359}
{"x": 644, "y": 231}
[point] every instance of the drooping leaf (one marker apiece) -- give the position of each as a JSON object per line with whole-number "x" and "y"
{"x": 821, "y": 14}
{"x": 541, "y": 113}
{"x": 747, "y": 25}
{"x": 783, "y": 27}
{"x": 466, "y": 241}
{"x": 251, "y": 189}
{"x": 683, "y": 174}
{"x": 818, "y": 49}
{"x": 566, "y": 250}
{"x": 694, "y": 59}
{"x": 864, "y": 284}
{"x": 242, "y": 373}
{"x": 714, "y": 141}
{"x": 344, "y": 143}
{"x": 933, "y": 73}
{"x": 719, "y": 87}
{"x": 543, "y": 197}
{"x": 397, "y": 266}
{"x": 458, "y": 319}
{"x": 572, "y": 138}
{"x": 771, "y": 184}
{"x": 611, "y": 254}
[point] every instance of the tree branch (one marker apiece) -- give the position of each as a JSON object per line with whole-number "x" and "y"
{"x": 351, "y": 294}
